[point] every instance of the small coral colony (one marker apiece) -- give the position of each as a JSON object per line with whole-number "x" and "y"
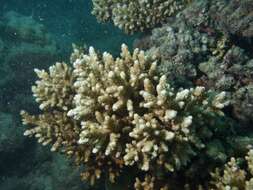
{"x": 173, "y": 114}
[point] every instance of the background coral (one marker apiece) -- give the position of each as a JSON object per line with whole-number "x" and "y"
{"x": 139, "y": 15}
{"x": 11, "y": 139}
{"x": 232, "y": 73}
{"x": 180, "y": 48}
{"x": 190, "y": 56}
{"x": 235, "y": 17}
{"x": 24, "y": 28}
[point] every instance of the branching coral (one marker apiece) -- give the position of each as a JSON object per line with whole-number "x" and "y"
{"x": 235, "y": 175}
{"x": 54, "y": 92}
{"x": 136, "y": 15}
{"x": 56, "y": 88}
{"x": 112, "y": 114}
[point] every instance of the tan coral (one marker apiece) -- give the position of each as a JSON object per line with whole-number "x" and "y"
{"x": 149, "y": 183}
{"x": 55, "y": 89}
{"x": 107, "y": 105}
{"x": 234, "y": 176}
{"x": 114, "y": 113}
{"x": 138, "y": 15}
{"x": 53, "y": 128}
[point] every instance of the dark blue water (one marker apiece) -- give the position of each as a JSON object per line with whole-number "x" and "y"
{"x": 23, "y": 164}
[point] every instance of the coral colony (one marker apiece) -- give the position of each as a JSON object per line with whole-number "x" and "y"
{"x": 132, "y": 16}
{"x": 171, "y": 115}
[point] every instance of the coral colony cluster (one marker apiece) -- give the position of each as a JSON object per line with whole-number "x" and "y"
{"x": 174, "y": 116}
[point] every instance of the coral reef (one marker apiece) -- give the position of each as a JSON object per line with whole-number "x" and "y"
{"x": 132, "y": 16}
{"x": 113, "y": 114}
{"x": 163, "y": 115}
{"x": 231, "y": 18}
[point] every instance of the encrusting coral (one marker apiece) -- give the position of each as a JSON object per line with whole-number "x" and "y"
{"x": 180, "y": 48}
{"x": 233, "y": 73}
{"x": 138, "y": 15}
{"x": 112, "y": 114}
{"x": 234, "y": 17}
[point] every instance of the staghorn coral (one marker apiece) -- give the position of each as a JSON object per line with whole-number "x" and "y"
{"x": 113, "y": 114}
{"x": 139, "y": 15}
{"x": 236, "y": 175}
{"x": 54, "y": 90}
{"x": 148, "y": 184}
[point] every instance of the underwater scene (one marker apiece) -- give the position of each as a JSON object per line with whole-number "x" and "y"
{"x": 126, "y": 95}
